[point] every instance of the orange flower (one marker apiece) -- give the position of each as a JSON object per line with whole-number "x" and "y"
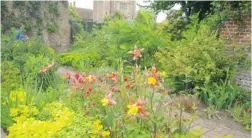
{"x": 67, "y": 76}
{"x": 125, "y": 78}
{"x": 74, "y": 85}
{"x": 137, "y": 109}
{"x": 129, "y": 84}
{"x": 44, "y": 69}
{"x": 113, "y": 76}
{"x": 136, "y": 52}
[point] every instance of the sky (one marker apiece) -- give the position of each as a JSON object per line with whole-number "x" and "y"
{"x": 88, "y": 4}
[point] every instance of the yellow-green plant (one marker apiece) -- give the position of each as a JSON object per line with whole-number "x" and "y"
{"x": 61, "y": 116}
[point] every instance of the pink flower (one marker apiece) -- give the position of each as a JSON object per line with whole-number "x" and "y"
{"x": 136, "y": 52}
{"x": 108, "y": 100}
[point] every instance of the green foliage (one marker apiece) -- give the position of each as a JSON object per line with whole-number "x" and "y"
{"x": 242, "y": 113}
{"x": 199, "y": 58}
{"x": 32, "y": 75}
{"x": 229, "y": 9}
{"x": 75, "y": 21}
{"x": 116, "y": 16}
{"x": 10, "y": 76}
{"x": 26, "y": 59}
{"x": 117, "y": 37}
{"x": 19, "y": 51}
{"x": 78, "y": 128}
{"x": 53, "y": 8}
{"x": 221, "y": 95}
{"x": 51, "y": 28}
{"x": 80, "y": 60}
{"x": 176, "y": 24}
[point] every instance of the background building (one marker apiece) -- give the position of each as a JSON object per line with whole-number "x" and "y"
{"x": 104, "y": 8}
{"x": 85, "y": 14}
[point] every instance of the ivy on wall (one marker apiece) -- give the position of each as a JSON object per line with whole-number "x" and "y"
{"x": 27, "y": 11}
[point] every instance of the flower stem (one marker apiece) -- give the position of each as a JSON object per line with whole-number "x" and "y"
{"x": 152, "y": 95}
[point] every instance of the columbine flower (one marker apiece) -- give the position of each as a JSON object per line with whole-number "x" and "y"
{"x": 125, "y": 78}
{"x": 113, "y": 76}
{"x": 44, "y": 69}
{"x": 90, "y": 78}
{"x": 67, "y": 76}
{"x": 77, "y": 76}
{"x": 129, "y": 84}
{"x": 108, "y": 100}
{"x": 137, "y": 108}
{"x": 74, "y": 86}
{"x": 136, "y": 52}
{"x": 152, "y": 81}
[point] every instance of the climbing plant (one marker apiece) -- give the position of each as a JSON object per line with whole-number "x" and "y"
{"x": 24, "y": 12}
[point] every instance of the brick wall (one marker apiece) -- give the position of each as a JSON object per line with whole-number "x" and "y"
{"x": 231, "y": 31}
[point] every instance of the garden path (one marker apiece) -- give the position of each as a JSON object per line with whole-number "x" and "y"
{"x": 210, "y": 127}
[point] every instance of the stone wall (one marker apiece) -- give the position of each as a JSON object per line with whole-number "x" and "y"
{"x": 103, "y": 8}
{"x": 239, "y": 34}
{"x": 37, "y": 17}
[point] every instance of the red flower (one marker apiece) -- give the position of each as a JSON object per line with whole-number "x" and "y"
{"x": 136, "y": 52}
{"x": 128, "y": 85}
{"x": 125, "y": 78}
{"x": 90, "y": 89}
{"x": 77, "y": 76}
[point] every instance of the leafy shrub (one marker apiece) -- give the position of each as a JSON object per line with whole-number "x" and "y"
{"x": 200, "y": 58}
{"x": 80, "y": 60}
{"x": 51, "y": 28}
{"x": 19, "y": 51}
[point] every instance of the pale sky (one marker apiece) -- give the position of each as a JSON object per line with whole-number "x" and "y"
{"x": 88, "y": 4}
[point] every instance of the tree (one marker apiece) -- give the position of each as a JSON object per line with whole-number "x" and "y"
{"x": 203, "y": 7}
